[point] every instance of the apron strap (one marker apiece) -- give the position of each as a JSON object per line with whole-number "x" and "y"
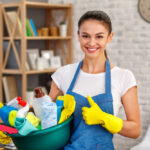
{"x": 75, "y": 77}
{"x": 107, "y": 78}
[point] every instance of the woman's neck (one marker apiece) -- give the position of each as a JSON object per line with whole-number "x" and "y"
{"x": 94, "y": 65}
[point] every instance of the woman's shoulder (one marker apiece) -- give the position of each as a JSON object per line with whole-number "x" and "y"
{"x": 122, "y": 71}
{"x": 124, "y": 79}
{"x": 123, "y": 74}
{"x": 63, "y": 73}
{"x": 68, "y": 68}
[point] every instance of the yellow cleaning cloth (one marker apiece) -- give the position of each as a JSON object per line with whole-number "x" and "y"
{"x": 4, "y": 139}
{"x": 33, "y": 119}
{"x": 12, "y": 117}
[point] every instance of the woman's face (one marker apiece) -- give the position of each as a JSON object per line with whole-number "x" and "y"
{"x": 93, "y": 36}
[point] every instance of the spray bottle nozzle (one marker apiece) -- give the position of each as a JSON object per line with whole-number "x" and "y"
{"x": 21, "y": 102}
{"x": 19, "y": 98}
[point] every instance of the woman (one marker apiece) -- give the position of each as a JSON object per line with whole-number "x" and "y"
{"x": 109, "y": 88}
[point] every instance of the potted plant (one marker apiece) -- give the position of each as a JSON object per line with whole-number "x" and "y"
{"x": 62, "y": 29}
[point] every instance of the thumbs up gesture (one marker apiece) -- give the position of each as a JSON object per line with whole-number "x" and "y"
{"x": 94, "y": 115}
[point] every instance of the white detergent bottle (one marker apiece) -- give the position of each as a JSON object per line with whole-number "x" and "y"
{"x": 13, "y": 103}
{"x": 24, "y": 108}
{"x": 39, "y": 98}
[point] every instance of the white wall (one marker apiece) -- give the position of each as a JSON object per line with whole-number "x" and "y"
{"x": 130, "y": 49}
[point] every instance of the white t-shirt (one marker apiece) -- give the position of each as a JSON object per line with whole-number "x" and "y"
{"x": 93, "y": 84}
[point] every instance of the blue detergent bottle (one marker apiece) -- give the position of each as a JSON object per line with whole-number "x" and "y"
{"x": 60, "y": 105}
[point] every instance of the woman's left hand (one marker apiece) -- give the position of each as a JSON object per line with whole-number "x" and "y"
{"x": 94, "y": 115}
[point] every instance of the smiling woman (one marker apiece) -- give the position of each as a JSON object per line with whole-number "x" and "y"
{"x": 93, "y": 36}
{"x": 110, "y": 88}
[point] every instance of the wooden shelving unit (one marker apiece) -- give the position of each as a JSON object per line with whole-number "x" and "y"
{"x": 41, "y": 38}
{"x": 21, "y": 9}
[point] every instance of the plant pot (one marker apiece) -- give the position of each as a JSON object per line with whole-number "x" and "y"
{"x": 63, "y": 30}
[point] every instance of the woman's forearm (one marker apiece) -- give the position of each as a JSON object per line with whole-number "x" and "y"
{"x": 131, "y": 126}
{"x": 130, "y": 129}
{"x": 54, "y": 92}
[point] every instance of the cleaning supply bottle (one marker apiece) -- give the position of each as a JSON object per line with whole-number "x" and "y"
{"x": 38, "y": 99}
{"x": 23, "y": 108}
{"x": 13, "y": 102}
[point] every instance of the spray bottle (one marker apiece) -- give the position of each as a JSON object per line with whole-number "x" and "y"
{"x": 23, "y": 108}
{"x": 39, "y": 98}
{"x": 14, "y": 102}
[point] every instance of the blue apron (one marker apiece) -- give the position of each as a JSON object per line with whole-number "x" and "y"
{"x": 91, "y": 137}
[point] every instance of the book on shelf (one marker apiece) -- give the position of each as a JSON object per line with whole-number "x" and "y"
{"x": 10, "y": 87}
{"x": 29, "y": 25}
{"x": 28, "y": 31}
{"x": 33, "y": 27}
{"x": 12, "y": 18}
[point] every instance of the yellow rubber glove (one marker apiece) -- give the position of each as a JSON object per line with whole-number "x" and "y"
{"x": 69, "y": 107}
{"x": 94, "y": 115}
{"x": 4, "y": 139}
{"x": 1, "y": 105}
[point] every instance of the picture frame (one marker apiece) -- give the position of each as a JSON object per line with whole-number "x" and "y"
{"x": 42, "y": 63}
{"x": 47, "y": 54}
{"x": 32, "y": 55}
{"x": 55, "y": 62}
{"x": 27, "y": 66}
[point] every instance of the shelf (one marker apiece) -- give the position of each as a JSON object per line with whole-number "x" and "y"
{"x": 45, "y": 5}
{"x": 15, "y": 71}
{"x": 11, "y": 71}
{"x": 41, "y": 71}
{"x": 37, "y": 5}
{"x": 7, "y": 5}
{"x": 8, "y": 38}
{"x": 49, "y": 38}
{"x": 41, "y": 38}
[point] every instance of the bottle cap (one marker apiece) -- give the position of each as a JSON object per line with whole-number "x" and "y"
{"x": 19, "y": 98}
{"x": 21, "y": 102}
{"x": 38, "y": 92}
